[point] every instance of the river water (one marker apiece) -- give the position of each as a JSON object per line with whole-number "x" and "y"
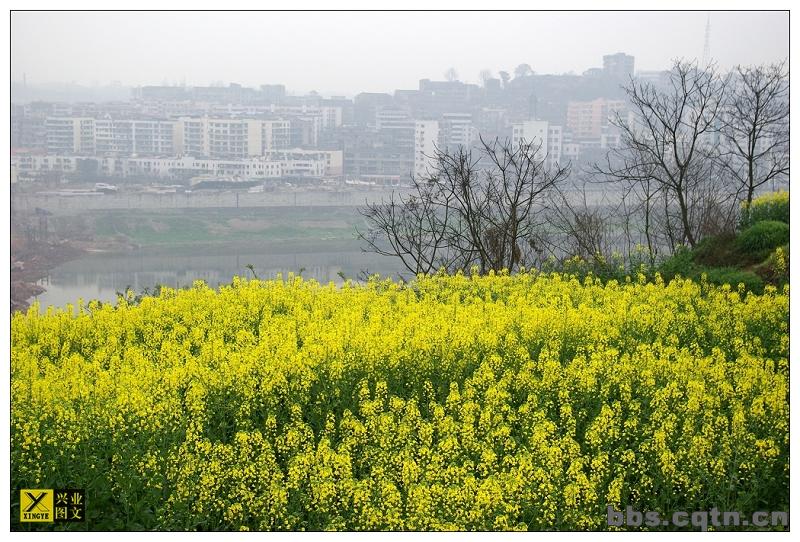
{"x": 101, "y": 275}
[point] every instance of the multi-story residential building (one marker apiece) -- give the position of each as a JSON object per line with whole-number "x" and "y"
{"x": 555, "y": 145}
{"x": 540, "y": 133}
{"x": 68, "y": 135}
{"x": 426, "y": 142}
{"x": 273, "y": 93}
{"x": 395, "y": 129}
{"x": 135, "y": 137}
{"x": 588, "y": 120}
{"x": 530, "y": 131}
{"x": 309, "y": 162}
{"x": 305, "y": 130}
{"x": 102, "y": 136}
{"x": 29, "y": 163}
{"x": 618, "y": 65}
{"x": 438, "y": 97}
{"x": 192, "y": 137}
{"x": 492, "y": 122}
{"x": 387, "y": 118}
{"x": 185, "y": 167}
{"x": 230, "y": 137}
{"x": 292, "y": 163}
{"x": 330, "y": 115}
{"x": 28, "y": 131}
{"x": 366, "y": 104}
{"x": 378, "y": 162}
{"x": 458, "y": 130}
{"x": 571, "y": 151}
{"x": 275, "y": 135}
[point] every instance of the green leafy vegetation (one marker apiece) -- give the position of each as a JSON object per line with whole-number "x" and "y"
{"x": 772, "y": 206}
{"x": 759, "y": 240}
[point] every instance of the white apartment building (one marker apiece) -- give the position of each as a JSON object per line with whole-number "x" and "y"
{"x": 231, "y": 138}
{"x": 571, "y": 151}
{"x": 588, "y": 120}
{"x": 275, "y": 135}
{"x": 331, "y": 161}
{"x": 192, "y": 137}
{"x": 540, "y": 133}
{"x": 426, "y": 140}
{"x": 388, "y": 118}
{"x": 458, "y": 130}
{"x": 534, "y": 132}
{"x": 44, "y": 162}
{"x": 555, "y": 144}
{"x": 187, "y": 166}
{"x": 329, "y": 116}
{"x": 67, "y": 135}
{"x": 290, "y": 163}
{"x": 134, "y": 137}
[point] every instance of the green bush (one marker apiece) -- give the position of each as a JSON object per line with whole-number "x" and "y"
{"x": 757, "y": 242}
{"x": 717, "y": 251}
{"x": 733, "y": 276}
{"x": 769, "y": 207}
{"x": 681, "y": 263}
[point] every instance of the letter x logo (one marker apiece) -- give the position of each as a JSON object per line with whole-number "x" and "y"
{"x": 35, "y": 500}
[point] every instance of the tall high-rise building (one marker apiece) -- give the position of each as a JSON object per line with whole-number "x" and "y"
{"x": 587, "y": 120}
{"x": 426, "y": 141}
{"x": 618, "y": 65}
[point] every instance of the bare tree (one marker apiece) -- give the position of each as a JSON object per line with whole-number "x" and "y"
{"x": 409, "y": 228}
{"x": 755, "y": 127}
{"x": 670, "y": 143}
{"x": 583, "y": 228}
{"x": 479, "y": 207}
{"x": 523, "y": 70}
{"x": 451, "y": 74}
{"x": 485, "y": 76}
{"x": 505, "y": 77}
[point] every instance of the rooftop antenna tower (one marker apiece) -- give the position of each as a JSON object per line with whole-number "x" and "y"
{"x": 707, "y": 43}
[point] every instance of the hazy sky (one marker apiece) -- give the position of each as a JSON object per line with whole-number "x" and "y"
{"x": 350, "y": 52}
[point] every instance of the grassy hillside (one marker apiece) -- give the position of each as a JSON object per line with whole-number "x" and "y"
{"x": 755, "y": 255}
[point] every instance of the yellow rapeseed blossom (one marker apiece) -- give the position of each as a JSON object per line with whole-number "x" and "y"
{"x": 528, "y": 401}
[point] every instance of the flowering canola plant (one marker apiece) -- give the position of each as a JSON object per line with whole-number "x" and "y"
{"x": 499, "y": 402}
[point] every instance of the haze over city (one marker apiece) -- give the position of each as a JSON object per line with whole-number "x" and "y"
{"x": 346, "y": 53}
{"x": 236, "y": 138}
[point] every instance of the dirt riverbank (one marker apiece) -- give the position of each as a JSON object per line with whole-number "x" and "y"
{"x": 30, "y": 262}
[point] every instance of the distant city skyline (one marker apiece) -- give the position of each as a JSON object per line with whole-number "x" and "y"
{"x": 350, "y": 52}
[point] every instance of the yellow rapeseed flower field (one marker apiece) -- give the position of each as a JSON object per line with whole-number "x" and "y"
{"x": 529, "y": 401}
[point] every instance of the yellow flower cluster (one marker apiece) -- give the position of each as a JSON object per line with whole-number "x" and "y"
{"x": 779, "y": 197}
{"x": 529, "y": 401}
{"x": 768, "y": 206}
